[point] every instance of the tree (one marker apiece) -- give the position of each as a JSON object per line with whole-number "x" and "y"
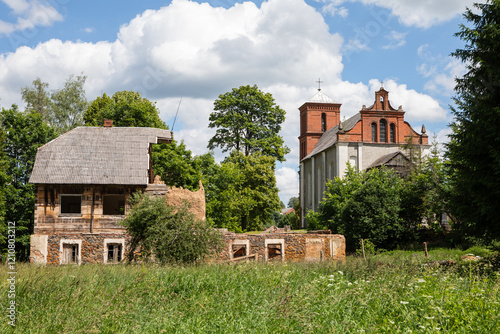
{"x": 37, "y": 98}
{"x": 63, "y": 108}
{"x": 242, "y": 192}
{"x": 173, "y": 235}
{"x": 249, "y": 121}
{"x": 4, "y": 181}
{"x": 125, "y": 108}
{"x": 68, "y": 104}
{"x": 24, "y": 132}
{"x": 474, "y": 148}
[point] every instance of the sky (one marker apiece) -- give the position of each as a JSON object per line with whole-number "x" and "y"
{"x": 196, "y": 50}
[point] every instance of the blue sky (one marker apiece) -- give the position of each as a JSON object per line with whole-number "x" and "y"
{"x": 200, "y": 49}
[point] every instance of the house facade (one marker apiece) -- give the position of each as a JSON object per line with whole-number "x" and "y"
{"x": 372, "y": 137}
{"x": 83, "y": 181}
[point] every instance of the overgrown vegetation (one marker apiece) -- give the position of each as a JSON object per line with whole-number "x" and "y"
{"x": 395, "y": 292}
{"x": 168, "y": 234}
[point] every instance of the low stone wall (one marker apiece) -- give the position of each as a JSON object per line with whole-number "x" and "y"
{"x": 294, "y": 246}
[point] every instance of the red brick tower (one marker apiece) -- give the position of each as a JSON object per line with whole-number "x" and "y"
{"x": 317, "y": 116}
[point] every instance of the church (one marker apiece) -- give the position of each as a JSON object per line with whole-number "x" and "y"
{"x": 371, "y": 138}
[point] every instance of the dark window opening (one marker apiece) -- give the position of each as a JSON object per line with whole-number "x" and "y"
{"x": 113, "y": 204}
{"x": 70, "y": 253}
{"x": 323, "y": 122}
{"x": 383, "y": 130}
{"x": 71, "y": 204}
{"x": 114, "y": 253}
{"x": 392, "y": 133}
{"x": 274, "y": 251}
{"x": 374, "y": 132}
{"x": 239, "y": 250}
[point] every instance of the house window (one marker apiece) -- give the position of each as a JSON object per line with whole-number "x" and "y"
{"x": 113, "y": 250}
{"x": 374, "y": 132}
{"x": 240, "y": 248}
{"x": 114, "y": 253}
{"x": 275, "y": 249}
{"x": 323, "y": 122}
{"x": 71, "y": 204}
{"x": 392, "y": 132}
{"x": 113, "y": 204}
{"x": 70, "y": 251}
{"x": 383, "y": 130}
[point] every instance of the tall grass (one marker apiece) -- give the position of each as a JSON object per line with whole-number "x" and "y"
{"x": 391, "y": 293}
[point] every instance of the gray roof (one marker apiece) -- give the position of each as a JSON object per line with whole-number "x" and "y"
{"x": 321, "y": 98}
{"x": 97, "y": 155}
{"x": 329, "y": 138}
{"x": 389, "y": 160}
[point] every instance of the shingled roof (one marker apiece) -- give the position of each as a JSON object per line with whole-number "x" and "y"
{"x": 329, "y": 138}
{"x": 98, "y": 155}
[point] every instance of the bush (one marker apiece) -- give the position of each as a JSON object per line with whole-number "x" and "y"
{"x": 171, "y": 235}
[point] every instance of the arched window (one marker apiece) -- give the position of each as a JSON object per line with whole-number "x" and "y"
{"x": 374, "y": 132}
{"x": 382, "y": 102}
{"x": 323, "y": 122}
{"x": 392, "y": 132}
{"x": 383, "y": 130}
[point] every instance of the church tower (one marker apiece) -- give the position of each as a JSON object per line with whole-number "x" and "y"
{"x": 317, "y": 116}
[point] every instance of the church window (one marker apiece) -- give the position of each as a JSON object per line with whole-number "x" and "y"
{"x": 323, "y": 122}
{"x": 374, "y": 132}
{"x": 392, "y": 132}
{"x": 383, "y": 130}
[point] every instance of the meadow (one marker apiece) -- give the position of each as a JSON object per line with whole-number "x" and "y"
{"x": 394, "y": 292}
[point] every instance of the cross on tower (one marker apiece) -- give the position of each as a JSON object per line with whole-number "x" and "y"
{"x": 319, "y": 82}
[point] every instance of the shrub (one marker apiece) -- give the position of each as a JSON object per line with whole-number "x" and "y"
{"x": 172, "y": 235}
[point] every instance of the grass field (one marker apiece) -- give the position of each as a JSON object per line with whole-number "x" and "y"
{"x": 392, "y": 293}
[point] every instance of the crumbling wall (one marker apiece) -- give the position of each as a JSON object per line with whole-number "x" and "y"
{"x": 297, "y": 246}
{"x": 177, "y": 196}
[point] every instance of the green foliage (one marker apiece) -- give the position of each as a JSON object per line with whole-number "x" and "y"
{"x": 242, "y": 192}
{"x": 172, "y": 235}
{"x": 176, "y": 165}
{"x": 474, "y": 148}
{"x": 248, "y": 120}
{"x": 125, "y": 108}
{"x": 63, "y": 109}
{"x": 24, "y": 133}
{"x": 4, "y": 181}
{"x": 369, "y": 248}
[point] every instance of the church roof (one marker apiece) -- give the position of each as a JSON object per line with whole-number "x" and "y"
{"x": 329, "y": 138}
{"x": 321, "y": 98}
{"x": 98, "y": 155}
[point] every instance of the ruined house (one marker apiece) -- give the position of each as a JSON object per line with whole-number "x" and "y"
{"x": 83, "y": 181}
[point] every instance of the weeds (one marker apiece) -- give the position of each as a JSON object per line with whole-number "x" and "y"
{"x": 393, "y": 292}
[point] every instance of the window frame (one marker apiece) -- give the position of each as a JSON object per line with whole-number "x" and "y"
{"x": 61, "y": 196}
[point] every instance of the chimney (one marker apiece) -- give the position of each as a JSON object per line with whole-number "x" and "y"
{"x": 108, "y": 123}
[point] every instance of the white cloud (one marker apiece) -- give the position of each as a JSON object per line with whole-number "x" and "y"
{"x": 89, "y": 30}
{"x": 29, "y": 14}
{"x": 440, "y": 71}
{"x": 396, "y": 40}
{"x": 422, "y": 14}
{"x": 334, "y": 10}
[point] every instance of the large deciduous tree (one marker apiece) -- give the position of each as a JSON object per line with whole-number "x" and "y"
{"x": 248, "y": 120}
{"x": 474, "y": 149}
{"x": 242, "y": 192}
{"x": 24, "y": 133}
{"x": 125, "y": 108}
{"x": 63, "y": 109}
